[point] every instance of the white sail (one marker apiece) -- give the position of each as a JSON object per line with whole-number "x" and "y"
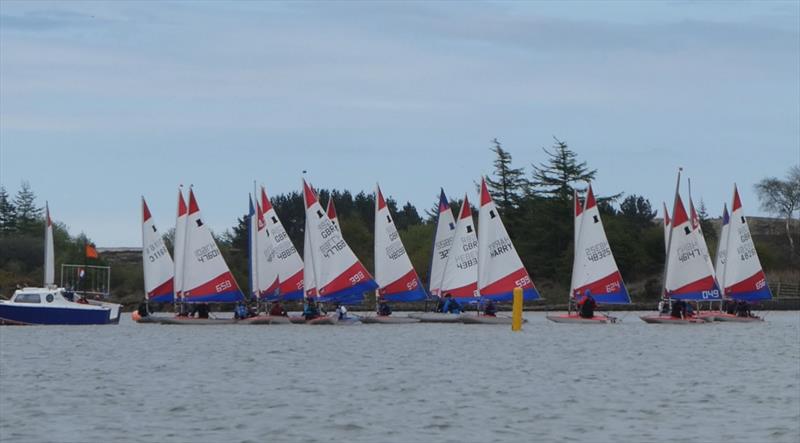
{"x": 697, "y": 230}
{"x": 594, "y": 268}
{"x": 461, "y": 271}
{"x": 396, "y": 277}
{"x": 206, "y": 276}
{"x": 156, "y": 262}
{"x": 339, "y": 274}
{"x": 289, "y": 263}
{"x": 49, "y": 250}
{"x": 267, "y": 265}
{"x": 577, "y": 215}
{"x": 744, "y": 278}
{"x": 687, "y": 275}
{"x": 179, "y": 246}
{"x": 722, "y": 246}
{"x": 252, "y": 230}
{"x": 443, "y": 239}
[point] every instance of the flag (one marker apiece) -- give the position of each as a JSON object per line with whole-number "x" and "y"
{"x": 91, "y": 252}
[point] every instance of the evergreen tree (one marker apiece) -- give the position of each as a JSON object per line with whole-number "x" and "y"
{"x": 510, "y": 185}
{"x": 407, "y": 216}
{"x": 554, "y": 179}
{"x": 705, "y": 223}
{"x": 8, "y": 214}
{"x": 637, "y": 210}
{"x": 28, "y": 214}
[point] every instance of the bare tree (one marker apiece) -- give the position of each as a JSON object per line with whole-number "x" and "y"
{"x": 781, "y": 197}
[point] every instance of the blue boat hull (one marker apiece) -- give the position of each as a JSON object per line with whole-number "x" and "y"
{"x": 13, "y": 314}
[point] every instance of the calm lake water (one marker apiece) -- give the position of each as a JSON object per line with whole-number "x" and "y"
{"x": 403, "y": 383}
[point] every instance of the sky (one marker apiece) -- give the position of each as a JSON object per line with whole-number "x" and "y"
{"x": 103, "y": 102}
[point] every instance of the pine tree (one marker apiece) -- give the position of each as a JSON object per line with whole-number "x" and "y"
{"x": 510, "y": 185}
{"x": 406, "y": 217}
{"x": 637, "y": 210}
{"x": 554, "y": 179}
{"x": 28, "y": 214}
{"x": 705, "y": 223}
{"x": 8, "y": 214}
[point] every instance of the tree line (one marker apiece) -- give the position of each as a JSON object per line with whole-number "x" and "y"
{"x": 535, "y": 203}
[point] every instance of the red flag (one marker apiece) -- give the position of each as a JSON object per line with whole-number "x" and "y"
{"x": 91, "y": 252}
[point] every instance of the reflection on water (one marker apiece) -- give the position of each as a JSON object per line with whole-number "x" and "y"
{"x": 403, "y": 383}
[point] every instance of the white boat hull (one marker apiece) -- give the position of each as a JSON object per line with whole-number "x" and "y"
{"x": 388, "y": 319}
{"x": 472, "y": 319}
{"x": 436, "y": 317}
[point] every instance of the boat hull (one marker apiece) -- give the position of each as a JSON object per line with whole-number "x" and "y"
{"x": 436, "y": 317}
{"x": 665, "y": 320}
{"x": 577, "y": 319}
{"x": 471, "y": 319}
{"x": 194, "y": 321}
{"x": 724, "y": 317}
{"x": 15, "y": 314}
{"x": 388, "y": 320}
{"x": 297, "y": 319}
{"x": 323, "y": 320}
{"x": 266, "y": 320}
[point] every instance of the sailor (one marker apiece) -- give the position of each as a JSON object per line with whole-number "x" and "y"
{"x": 277, "y": 310}
{"x": 384, "y": 309}
{"x": 743, "y": 309}
{"x": 143, "y": 312}
{"x": 689, "y": 309}
{"x": 587, "y": 305}
{"x": 240, "y": 312}
{"x": 440, "y": 304}
{"x": 310, "y": 310}
{"x": 678, "y": 309}
{"x": 451, "y": 306}
{"x": 341, "y": 311}
{"x": 490, "y": 309}
{"x": 202, "y": 310}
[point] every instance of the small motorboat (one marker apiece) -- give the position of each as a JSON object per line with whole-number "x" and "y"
{"x": 669, "y": 320}
{"x": 482, "y": 319}
{"x": 574, "y": 318}
{"x": 436, "y": 317}
{"x": 53, "y": 306}
{"x": 388, "y": 319}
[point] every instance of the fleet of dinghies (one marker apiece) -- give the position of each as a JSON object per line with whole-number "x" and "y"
{"x": 469, "y": 266}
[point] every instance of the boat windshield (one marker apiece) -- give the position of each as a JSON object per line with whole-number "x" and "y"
{"x": 28, "y": 298}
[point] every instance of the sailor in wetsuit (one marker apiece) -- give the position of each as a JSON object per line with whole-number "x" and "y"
{"x": 490, "y": 309}
{"x": 384, "y": 309}
{"x": 310, "y": 309}
{"x": 587, "y": 305}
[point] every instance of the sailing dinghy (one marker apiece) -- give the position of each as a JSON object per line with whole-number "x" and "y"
{"x": 263, "y": 267}
{"x": 157, "y": 267}
{"x": 338, "y": 274}
{"x": 688, "y": 273}
{"x": 742, "y": 275}
{"x": 593, "y": 268}
{"x": 206, "y": 276}
{"x": 460, "y": 271}
{"x": 500, "y": 270}
{"x": 397, "y": 280}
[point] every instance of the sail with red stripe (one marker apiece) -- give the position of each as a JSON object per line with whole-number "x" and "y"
{"x": 397, "y": 280}
{"x": 687, "y": 273}
{"x": 442, "y": 240}
{"x": 594, "y": 268}
{"x": 743, "y": 277}
{"x": 266, "y": 264}
{"x": 460, "y": 277}
{"x": 207, "y": 277}
{"x": 156, "y": 262}
{"x": 701, "y": 240}
{"x": 577, "y": 217}
{"x": 500, "y": 269}
{"x": 339, "y": 275}
{"x": 179, "y": 246}
{"x": 289, "y": 263}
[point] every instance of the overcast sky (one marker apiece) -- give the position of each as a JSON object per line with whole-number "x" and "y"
{"x": 101, "y": 102}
